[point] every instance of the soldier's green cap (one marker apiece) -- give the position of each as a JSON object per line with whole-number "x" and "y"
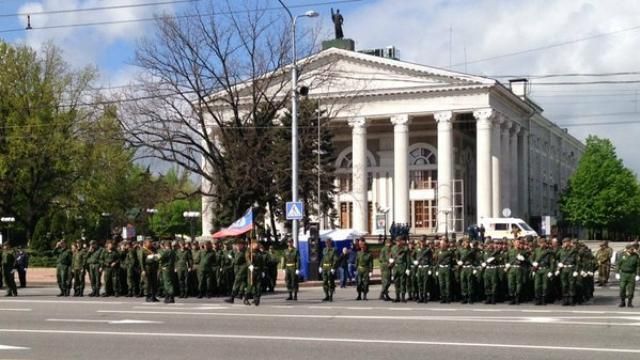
{"x": 93, "y": 242}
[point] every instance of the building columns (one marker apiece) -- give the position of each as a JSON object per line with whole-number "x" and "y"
{"x": 524, "y": 173}
{"x": 400, "y": 168}
{"x": 506, "y": 164}
{"x": 496, "y": 155}
{"x": 359, "y": 174}
{"x": 514, "y": 166}
{"x": 445, "y": 169}
{"x": 483, "y": 158}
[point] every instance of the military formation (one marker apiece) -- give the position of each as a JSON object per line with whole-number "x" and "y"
{"x": 466, "y": 271}
{"x": 169, "y": 269}
{"x": 501, "y": 270}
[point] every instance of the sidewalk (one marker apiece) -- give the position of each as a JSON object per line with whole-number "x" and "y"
{"x": 47, "y": 277}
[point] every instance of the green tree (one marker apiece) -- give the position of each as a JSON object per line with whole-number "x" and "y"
{"x": 39, "y": 115}
{"x": 602, "y": 194}
{"x": 169, "y": 219}
{"x": 310, "y": 171}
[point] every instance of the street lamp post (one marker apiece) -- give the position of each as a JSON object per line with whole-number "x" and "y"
{"x": 294, "y": 113}
{"x": 191, "y": 216}
{"x": 319, "y": 168}
{"x": 446, "y": 222}
{"x": 108, "y": 216}
{"x": 151, "y": 213}
{"x": 8, "y": 221}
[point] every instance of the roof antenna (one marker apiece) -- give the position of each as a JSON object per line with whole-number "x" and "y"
{"x": 28, "y": 23}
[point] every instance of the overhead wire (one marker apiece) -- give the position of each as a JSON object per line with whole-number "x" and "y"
{"x": 97, "y": 8}
{"x": 186, "y": 16}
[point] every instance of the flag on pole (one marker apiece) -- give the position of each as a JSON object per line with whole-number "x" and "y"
{"x": 239, "y": 227}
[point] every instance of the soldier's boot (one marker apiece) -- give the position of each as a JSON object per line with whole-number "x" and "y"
{"x": 565, "y": 301}
{"x": 290, "y": 296}
{"x": 470, "y": 299}
{"x": 359, "y": 296}
{"x": 154, "y": 299}
{"x": 295, "y": 296}
{"x": 538, "y": 301}
{"x": 364, "y": 296}
{"x": 487, "y": 300}
{"x": 622, "y": 303}
{"x": 513, "y": 300}
{"x": 331, "y": 296}
{"x": 517, "y": 299}
{"x": 172, "y": 300}
{"x": 246, "y": 300}
{"x": 230, "y": 300}
{"x": 629, "y": 303}
{"x": 464, "y": 300}
{"x": 403, "y": 298}
{"x": 326, "y": 296}
{"x": 166, "y": 299}
{"x": 572, "y": 300}
{"x": 397, "y": 299}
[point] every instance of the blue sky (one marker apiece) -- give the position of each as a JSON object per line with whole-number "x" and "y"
{"x": 488, "y": 37}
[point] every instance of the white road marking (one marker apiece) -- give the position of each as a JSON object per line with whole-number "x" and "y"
{"x": 244, "y": 337}
{"x": 18, "y": 310}
{"x": 74, "y": 302}
{"x": 110, "y": 322}
{"x": 7, "y": 347}
{"x": 183, "y": 308}
{"x": 562, "y": 320}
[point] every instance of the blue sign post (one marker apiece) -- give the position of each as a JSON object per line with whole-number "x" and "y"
{"x": 294, "y": 210}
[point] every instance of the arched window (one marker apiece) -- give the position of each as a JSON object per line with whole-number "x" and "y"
{"x": 344, "y": 167}
{"x": 422, "y": 156}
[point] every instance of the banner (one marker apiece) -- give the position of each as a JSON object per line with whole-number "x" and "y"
{"x": 239, "y": 227}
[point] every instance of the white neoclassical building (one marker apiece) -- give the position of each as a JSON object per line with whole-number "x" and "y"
{"x": 434, "y": 148}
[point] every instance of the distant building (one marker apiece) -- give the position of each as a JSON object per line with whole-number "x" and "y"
{"x": 434, "y": 148}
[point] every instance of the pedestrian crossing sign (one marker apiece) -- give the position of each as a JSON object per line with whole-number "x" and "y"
{"x": 294, "y": 210}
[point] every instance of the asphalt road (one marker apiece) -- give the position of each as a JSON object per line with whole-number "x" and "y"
{"x": 38, "y": 325}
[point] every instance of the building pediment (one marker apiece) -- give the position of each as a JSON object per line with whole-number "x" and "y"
{"x": 342, "y": 73}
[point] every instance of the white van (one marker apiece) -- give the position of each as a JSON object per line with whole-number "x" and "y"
{"x": 499, "y": 228}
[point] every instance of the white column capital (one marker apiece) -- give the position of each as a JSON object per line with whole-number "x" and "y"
{"x": 443, "y": 116}
{"x": 400, "y": 119}
{"x": 484, "y": 114}
{"x": 357, "y": 122}
{"x": 506, "y": 124}
{"x": 515, "y": 128}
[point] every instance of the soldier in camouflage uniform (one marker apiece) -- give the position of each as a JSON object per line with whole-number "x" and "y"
{"x": 568, "y": 270}
{"x": 543, "y": 263}
{"x": 516, "y": 262}
{"x": 167, "y": 263}
{"x": 425, "y": 264}
{"x": 444, "y": 260}
{"x": 78, "y": 266}
{"x": 8, "y": 269}
{"x": 468, "y": 263}
{"x": 132, "y": 269}
{"x": 63, "y": 267}
{"x": 329, "y": 263}
{"x": 257, "y": 267}
{"x": 385, "y": 269}
{"x": 628, "y": 264}
{"x": 184, "y": 263}
{"x": 603, "y": 258}
{"x": 94, "y": 263}
{"x": 149, "y": 264}
{"x": 240, "y": 271}
{"x": 364, "y": 269}
{"x": 291, "y": 266}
